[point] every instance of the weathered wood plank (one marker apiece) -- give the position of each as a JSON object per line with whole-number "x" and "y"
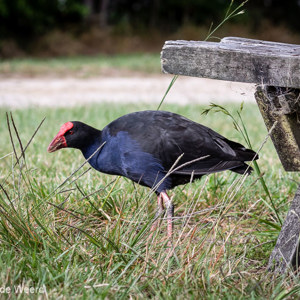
{"x": 282, "y": 105}
{"x": 286, "y": 251}
{"x": 235, "y": 59}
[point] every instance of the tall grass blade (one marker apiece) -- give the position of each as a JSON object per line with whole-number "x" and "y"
{"x": 228, "y": 15}
{"x": 32, "y": 137}
{"x": 167, "y": 91}
{"x": 18, "y": 136}
{"x": 11, "y": 138}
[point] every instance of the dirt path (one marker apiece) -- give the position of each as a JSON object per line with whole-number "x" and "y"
{"x": 23, "y": 92}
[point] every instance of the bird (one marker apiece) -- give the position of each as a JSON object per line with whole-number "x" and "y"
{"x": 156, "y": 149}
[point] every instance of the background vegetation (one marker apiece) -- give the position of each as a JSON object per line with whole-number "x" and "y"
{"x": 68, "y": 27}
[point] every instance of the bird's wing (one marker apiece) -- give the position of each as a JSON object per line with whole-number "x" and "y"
{"x": 199, "y": 150}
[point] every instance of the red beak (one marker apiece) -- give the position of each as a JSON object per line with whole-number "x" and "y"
{"x": 57, "y": 143}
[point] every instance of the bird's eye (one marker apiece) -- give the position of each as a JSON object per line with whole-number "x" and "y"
{"x": 71, "y": 131}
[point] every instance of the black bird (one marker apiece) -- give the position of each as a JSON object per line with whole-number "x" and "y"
{"x": 157, "y": 149}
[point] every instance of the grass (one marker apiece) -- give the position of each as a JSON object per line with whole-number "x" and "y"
{"x": 87, "y": 238}
{"x": 81, "y": 66}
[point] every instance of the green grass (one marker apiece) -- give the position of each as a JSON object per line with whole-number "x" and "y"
{"x": 88, "y": 238}
{"x": 81, "y": 66}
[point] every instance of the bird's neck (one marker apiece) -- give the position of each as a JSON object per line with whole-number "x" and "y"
{"x": 93, "y": 146}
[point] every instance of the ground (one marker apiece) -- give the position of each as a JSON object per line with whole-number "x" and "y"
{"x": 65, "y": 91}
{"x": 73, "y": 232}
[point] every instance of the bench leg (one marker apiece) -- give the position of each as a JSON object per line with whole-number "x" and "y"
{"x": 286, "y": 252}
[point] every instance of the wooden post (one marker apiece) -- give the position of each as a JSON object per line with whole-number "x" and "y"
{"x": 282, "y": 105}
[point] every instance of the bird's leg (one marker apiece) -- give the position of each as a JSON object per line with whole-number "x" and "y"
{"x": 159, "y": 212}
{"x": 170, "y": 215}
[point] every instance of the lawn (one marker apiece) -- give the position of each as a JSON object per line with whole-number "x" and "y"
{"x": 84, "y": 234}
{"x": 82, "y": 66}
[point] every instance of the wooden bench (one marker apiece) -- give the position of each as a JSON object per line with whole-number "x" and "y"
{"x": 275, "y": 68}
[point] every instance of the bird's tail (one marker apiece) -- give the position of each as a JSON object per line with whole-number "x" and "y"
{"x": 243, "y": 169}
